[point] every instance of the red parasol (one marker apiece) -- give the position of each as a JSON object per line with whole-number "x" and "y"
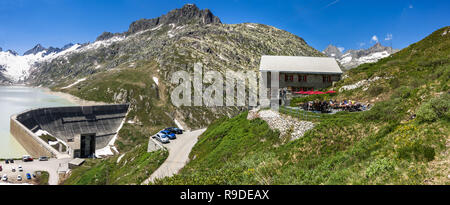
{"x": 331, "y": 91}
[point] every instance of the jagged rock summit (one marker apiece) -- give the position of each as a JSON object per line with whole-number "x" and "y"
{"x": 188, "y": 14}
{"x": 36, "y": 49}
{"x": 332, "y": 51}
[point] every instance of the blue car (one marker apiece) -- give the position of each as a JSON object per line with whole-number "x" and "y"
{"x": 174, "y": 130}
{"x": 28, "y": 176}
{"x": 171, "y": 136}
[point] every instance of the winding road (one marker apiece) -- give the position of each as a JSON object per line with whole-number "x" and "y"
{"x": 179, "y": 150}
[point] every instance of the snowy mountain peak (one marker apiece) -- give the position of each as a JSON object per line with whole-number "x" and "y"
{"x": 16, "y": 68}
{"x": 12, "y": 52}
{"x": 333, "y": 51}
{"x": 36, "y": 49}
{"x": 354, "y": 58}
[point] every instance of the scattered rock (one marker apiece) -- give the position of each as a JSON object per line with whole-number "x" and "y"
{"x": 282, "y": 123}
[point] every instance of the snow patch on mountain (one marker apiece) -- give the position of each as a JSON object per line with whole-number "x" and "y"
{"x": 75, "y": 83}
{"x": 102, "y": 43}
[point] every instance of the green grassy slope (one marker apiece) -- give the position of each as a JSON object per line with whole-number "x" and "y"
{"x": 133, "y": 168}
{"x": 386, "y": 145}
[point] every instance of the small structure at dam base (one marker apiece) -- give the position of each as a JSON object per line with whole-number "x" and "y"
{"x": 75, "y": 132}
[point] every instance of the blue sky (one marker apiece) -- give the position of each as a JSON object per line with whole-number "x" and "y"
{"x": 350, "y": 24}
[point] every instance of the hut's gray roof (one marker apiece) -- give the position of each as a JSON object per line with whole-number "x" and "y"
{"x": 300, "y": 64}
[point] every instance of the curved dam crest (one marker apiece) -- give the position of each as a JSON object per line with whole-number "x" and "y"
{"x": 16, "y": 99}
{"x": 79, "y": 131}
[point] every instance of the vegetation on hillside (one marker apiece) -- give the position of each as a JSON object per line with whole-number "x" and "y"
{"x": 42, "y": 178}
{"x": 133, "y": 168}
{"x": 403, "y": 139}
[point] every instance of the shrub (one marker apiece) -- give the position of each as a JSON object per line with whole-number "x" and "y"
{"x": 389, "y": 111}
{"x": 418, "y": 151}
{"x": 378, "y": 167}
{"x": 435, "y": 109}
{"x": 426, "y": 113}
{"x": 375, "y": 91}
{"x": 295, "y": 101}
{"x": 394, "y": 83}
{"x": 402, "y": 92}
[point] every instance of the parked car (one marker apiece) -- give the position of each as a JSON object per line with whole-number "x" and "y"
{"x": 1, "y": 168}
{"x": 169, "y": 134}
{"x": 28, "y": 176}
{"x": 19, "y": 178}
{"x": 27, "y": 158}
{"x": 7, "y": 161}
{"x": 175, "y": 130}
{"x": 162, "y": 138}
{"x": 20, "y": 168}
{"x": 5, "y": 177}
{"x": 11, "y": 161}
{"x": 13, "y": 169}
{"x": 43, "y": 158}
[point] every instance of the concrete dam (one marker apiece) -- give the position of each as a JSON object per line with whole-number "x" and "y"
{"x": 79, "y": 130}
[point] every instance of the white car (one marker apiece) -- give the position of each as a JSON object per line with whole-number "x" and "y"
{"x": 162, "y": 138}
{"x": 5, "y": 177}
{"x": 20, "y": 168}
{"x": 13, "y": 169}
{"x": 19, "y": 178}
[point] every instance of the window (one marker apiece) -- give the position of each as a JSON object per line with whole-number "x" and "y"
{"x": 305, "y": 78}
{"x": 326, "y": 79}
{"x": 288, "y": 78}
{"x": 302, "y": 78}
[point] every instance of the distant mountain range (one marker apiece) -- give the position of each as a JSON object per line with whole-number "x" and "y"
{"x": 353, "y": 58}
{"x": 14, "y": 68}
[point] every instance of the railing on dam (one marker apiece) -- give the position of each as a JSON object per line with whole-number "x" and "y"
{"x": 66, "y": 123}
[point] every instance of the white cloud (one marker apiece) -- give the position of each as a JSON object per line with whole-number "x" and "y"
{"x": 362, "y": 44}
{"x": 332, "y": 3}
{"x": 388, "y": 37}
{"x": 374, "y": 39}
{"x": 341, "y": 49}
{"x": 411, "y": 6}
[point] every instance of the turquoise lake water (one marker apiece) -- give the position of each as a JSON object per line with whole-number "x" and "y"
{"x": 16, "y": 99}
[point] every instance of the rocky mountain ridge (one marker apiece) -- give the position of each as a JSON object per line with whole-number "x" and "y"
{"x": 136, "y": 66}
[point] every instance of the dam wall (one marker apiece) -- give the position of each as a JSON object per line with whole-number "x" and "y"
{"x": 35, "y": 146}
{"x": 83, "y": 129}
